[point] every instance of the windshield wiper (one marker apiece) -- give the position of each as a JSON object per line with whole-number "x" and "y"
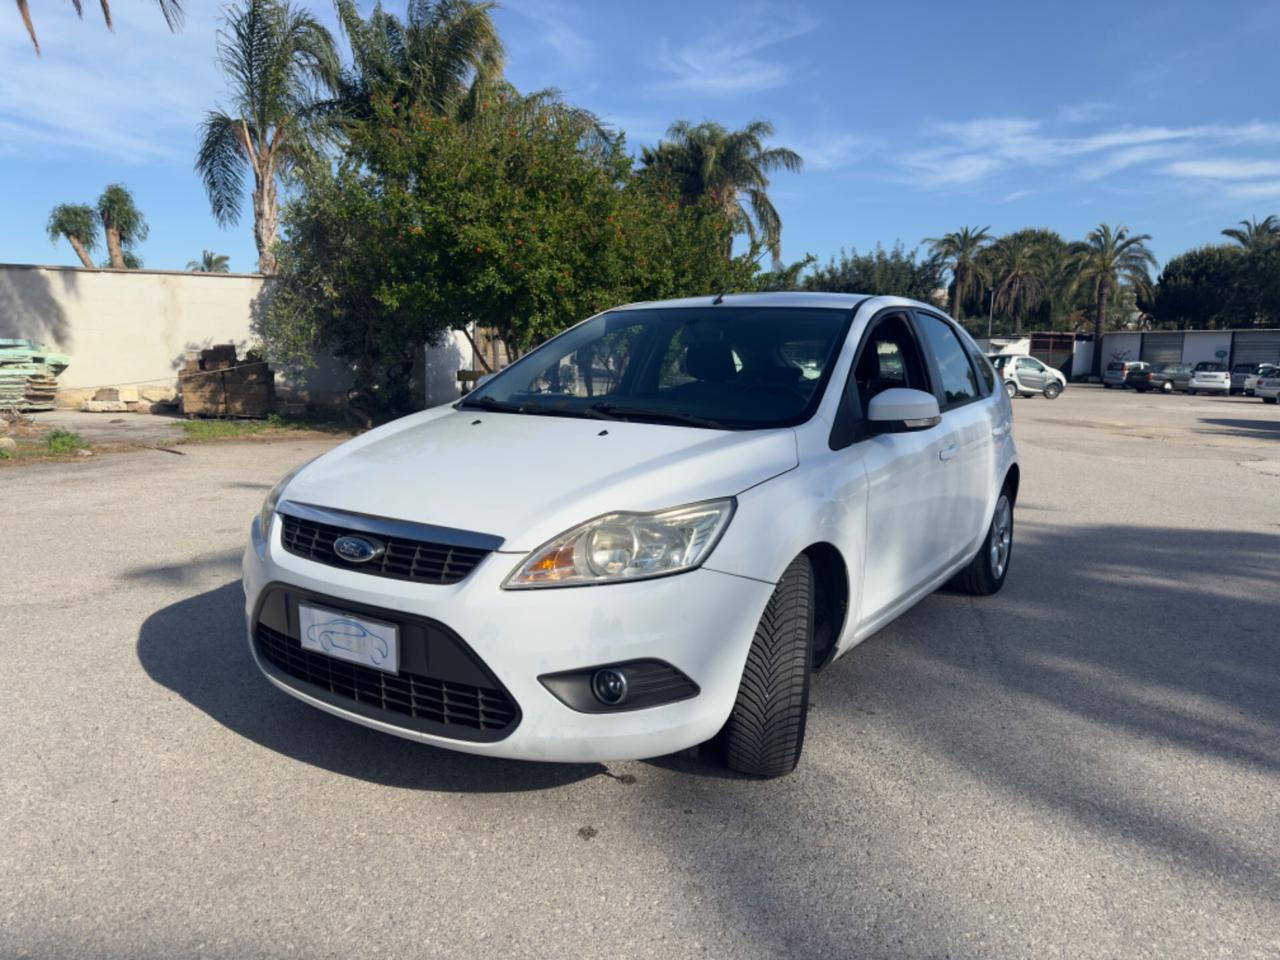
{"x": 616, "y": 411}
{"x": 489, "y": 403}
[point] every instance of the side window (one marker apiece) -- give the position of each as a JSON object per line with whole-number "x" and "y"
{"x": 959, "y": 383}
{"x": 984, "y": 370}
{"x": 1026, "y": 363}
{"x": 890, "y": 358}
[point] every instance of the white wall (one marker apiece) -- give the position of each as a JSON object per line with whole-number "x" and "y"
{"x": 1200, "y": 345}
{"x": 124, "y": 326}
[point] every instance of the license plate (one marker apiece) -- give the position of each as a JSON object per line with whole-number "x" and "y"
{"x": 344, "y": 636}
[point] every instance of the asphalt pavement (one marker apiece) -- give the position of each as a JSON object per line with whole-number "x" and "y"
{"x": 1086, "y": 765}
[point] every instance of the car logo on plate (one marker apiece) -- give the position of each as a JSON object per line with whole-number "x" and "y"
{"x": 357, "y": 549}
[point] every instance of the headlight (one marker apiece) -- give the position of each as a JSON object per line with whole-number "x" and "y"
{"x": 626, "y": 546}
{"x": 273, "y": 498}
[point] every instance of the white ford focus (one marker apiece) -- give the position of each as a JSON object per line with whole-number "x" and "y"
{"x": 644, "y": 535}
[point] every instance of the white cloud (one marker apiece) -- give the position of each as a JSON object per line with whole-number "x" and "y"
{"x": 135, "y": 94}
{"x": 1225, "y": 169}
{"x": 832, "y": 152}
{"x": 731, "y": 63}
{"x": 976, "y": 150}
{"x": 556, "y": 30}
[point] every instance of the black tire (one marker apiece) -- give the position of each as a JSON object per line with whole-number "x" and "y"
{"x": 1268, "y": 399}
{"x": 1106, "y": 386}
{"x": 1051, "y": 390}
{"x": 765, "y": 732}
{"x": 1011, "y": 389}
{"x": 984, "y": 576}
{"x": 1168, "y": 387}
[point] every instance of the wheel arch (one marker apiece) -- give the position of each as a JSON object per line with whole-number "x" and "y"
{"x": 1011, "y": 480}
{"x": 831, "y": 591}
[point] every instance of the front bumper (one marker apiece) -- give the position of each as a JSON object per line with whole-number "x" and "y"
{"x": 700, "y": 622}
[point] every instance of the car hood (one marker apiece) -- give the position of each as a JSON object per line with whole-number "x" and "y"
{"x": 528, "y": 478}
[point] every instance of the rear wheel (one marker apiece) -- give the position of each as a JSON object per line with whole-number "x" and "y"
{"x": 1269, "y": 399}
{"x": 1052, "y": 390}
{"x": 1167, "y": 388}
{"x": 765, "y": 732}
{"x": 1011, "y": 389}
{"x": 986, "y": 572}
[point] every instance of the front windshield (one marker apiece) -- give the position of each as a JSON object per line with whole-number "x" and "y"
{"x": 725, "y": 367}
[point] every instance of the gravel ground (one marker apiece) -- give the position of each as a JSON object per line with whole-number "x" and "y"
{"x": 1086, "y": 765}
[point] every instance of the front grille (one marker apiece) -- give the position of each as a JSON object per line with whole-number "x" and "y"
{"x": 403, "y": 559}
{"x": 430, "y": 699}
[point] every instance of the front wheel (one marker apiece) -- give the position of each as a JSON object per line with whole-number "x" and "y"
{"x": 765, "y": 732}
{"x": 986, "y": 572}
{"x": 1011, "y": 389}
{"x": 1052, "y": 390}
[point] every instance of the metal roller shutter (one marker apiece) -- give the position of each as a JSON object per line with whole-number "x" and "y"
{"x": 1162, "y": 347}
{"x": 1256, "y": 346}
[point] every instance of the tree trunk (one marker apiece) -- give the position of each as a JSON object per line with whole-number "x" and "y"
{"x": 1099, "y": 322}
{"x": 114, "y": 249}
{"x": 955, "y": 296}
{"x": 265, "y": 218}
{"x": 1017, "y": 324}
{"x": 81, "y": 252}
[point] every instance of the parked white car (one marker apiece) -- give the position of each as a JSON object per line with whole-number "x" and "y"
{"x": 1027, "y": 376}
{"x": 1265, "y": 370}
{"x": 644, "y": 535}
{"x": 1268, "y": 386}
{"x": 1210, "y": 377}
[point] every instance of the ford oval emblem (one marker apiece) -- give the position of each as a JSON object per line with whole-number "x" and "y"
{"x": 357, "y": 549}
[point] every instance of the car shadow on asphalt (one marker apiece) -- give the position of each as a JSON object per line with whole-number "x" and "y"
{"x": 1250, "y": 429}
{"x": 197, "y": 648}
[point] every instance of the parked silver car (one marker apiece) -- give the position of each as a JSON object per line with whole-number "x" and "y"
{"x": 1024, "y": 376}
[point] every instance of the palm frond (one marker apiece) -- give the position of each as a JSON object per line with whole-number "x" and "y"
{"x": 220, "y": 161}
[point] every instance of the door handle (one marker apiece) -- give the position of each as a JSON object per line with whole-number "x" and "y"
{"x": 1000, "y": 429}
{"x": 947, "y": 453}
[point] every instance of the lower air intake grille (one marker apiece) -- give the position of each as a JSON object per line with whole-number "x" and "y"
{"x": 460, "y": 706}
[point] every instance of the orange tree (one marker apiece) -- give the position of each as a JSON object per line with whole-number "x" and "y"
{"x": 519, "y": 218}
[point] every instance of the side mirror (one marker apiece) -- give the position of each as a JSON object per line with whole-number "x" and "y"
{"x": 899, "y": 410}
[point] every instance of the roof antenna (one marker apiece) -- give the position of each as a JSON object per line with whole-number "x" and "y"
{"x": 718, "y": 300}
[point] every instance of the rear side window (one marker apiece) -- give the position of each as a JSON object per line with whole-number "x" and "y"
{"x": 1115, "y": 366}
{"x": 1210, "y": 366}
{"x": 959, "y": 383}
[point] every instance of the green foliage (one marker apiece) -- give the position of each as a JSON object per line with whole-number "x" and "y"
{"x": 74, "y": 220}
{"x": 120, "y": 213}
{"x": 1196, "y": 289}
{"x": 895, "y": 272}
{"x": 511, "y": 220}
{"x": 729, "y": 168}
{"x": 64, "y": 441}
{"x": 431, "y": 60}
{"x": 210, "y": 262}
{"x": 961, "y": 252}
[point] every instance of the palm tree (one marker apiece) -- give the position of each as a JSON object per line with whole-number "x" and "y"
{"x": 279, "y": 59}
{"x": 731, "y": 168}
{"x": 961, "y": 252}
{"x": 1255, "y": 236}
{"x": 432, "y": 59}
{"x": 171, "y": 9}
{"x": 1020, "y": 274}
{"x": 78, "y": 223}
{"x": 122, "y": 222}
{"x": 1107, "y": 258}
{"x": 210, "y": 262}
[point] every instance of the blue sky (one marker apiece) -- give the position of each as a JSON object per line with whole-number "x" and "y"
{"x": 913, "y": 118}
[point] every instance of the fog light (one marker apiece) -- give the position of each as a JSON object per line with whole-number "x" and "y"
{"x": 609, "y": 686}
